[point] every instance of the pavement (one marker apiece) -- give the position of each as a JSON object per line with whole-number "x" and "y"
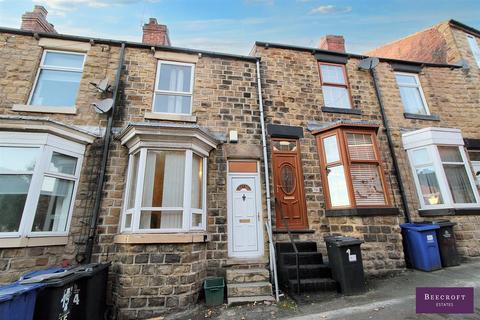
{"x": 387, "y": 299}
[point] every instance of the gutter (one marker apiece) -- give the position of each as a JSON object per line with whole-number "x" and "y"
{"x": 403, "y": 195}
{"x": 92, "y": 232}
{"x": 352, "y": 55}
{"x": 129, "y": 44}
{"x": 273, "y": 263}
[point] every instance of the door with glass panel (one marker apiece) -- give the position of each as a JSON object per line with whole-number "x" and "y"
{"x": 288, "y": 184}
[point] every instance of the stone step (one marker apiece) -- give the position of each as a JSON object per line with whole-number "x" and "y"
{"x": 308, "y": 271}
{"x": 242, "y": 300}
{"x": 316, "y": 284}
{"x": 249, "y": 289}
{"x": 288, "y": 258}
{"x": 302, "y": 246}
{"x": 247, "y": 275}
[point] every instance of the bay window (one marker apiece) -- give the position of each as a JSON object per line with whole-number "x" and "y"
{"x": 441, "y": 172}
{"x": 38, "y": 179}
{"x": 165, "y": 191}
{"x": 351, "y": 168}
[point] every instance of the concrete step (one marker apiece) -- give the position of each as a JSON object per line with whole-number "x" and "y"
{"x": 242, "y": 300}
{"x": 307, "y": 271}
{"x": 315, "y": 284}
{"x": 247, "y": 275}
{"x": 289, "y": 258}
{"x": 302, "y": 246}
{"x": 249, "y": 289}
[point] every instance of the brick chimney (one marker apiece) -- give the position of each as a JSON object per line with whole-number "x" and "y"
{"x": 37, "y": 21}
{"x": 155, "y": 34}
{"x": 332, "y": 43}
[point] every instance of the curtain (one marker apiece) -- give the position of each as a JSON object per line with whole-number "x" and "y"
{"x": 427, "y": 179}
{"x": 176, "y": 84}
{"x": 459, "y": 183}
{"x": 174, "y": 189}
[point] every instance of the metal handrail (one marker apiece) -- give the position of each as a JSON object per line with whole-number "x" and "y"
{"x": 285, "y": 223}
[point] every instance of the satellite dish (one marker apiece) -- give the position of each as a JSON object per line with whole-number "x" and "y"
{"x": 368, "y": 63}
{"x": 103, "y": 106}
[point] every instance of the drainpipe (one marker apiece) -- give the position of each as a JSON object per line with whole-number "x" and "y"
{"x": 273, "y": 263}
{"x": 390, "y": 145}
{"x": 92, "y": 232}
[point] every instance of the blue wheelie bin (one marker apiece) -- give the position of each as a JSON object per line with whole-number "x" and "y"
{"x": 422, "y": 246}
{"x": 17, "y": 301}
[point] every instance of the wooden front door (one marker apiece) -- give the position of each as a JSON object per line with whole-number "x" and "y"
{"x": 288, "y": 184}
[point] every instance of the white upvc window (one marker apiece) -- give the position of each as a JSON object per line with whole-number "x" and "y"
{"x": 474, "y": 156}
{"x": 38, "y": 181}
{"x": 472, "y": 41}
{"x": 440, "y": 168}
{"x": 173, "y": 88}
{"x": 411, "y": 93}
{"x": 165, "y": 191}
{"x": 58, "y": 79}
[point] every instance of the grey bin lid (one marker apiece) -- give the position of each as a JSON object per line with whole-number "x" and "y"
{"x": 441, "y": 223}
{"x": 341, "y": 241}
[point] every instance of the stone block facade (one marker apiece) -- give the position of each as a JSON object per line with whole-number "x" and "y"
{"x": 293, "y": 97}
{"x": 157, "y": 277}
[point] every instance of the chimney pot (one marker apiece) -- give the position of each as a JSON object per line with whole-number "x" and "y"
{"x": 36, "y": 20}
{"x": 155, "y": 34}
{"x": 332, "y": 43}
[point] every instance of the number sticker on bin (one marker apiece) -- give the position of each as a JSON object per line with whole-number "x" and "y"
{"x": 351, "y": 257}
{"x": 429, "y": 238}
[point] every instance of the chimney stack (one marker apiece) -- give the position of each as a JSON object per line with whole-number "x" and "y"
{"x": 155, "y": 34}
{"x": 37, "y": 21}
{"x": 332, "y": 43}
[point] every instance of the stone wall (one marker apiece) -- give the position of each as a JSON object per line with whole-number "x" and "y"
{"x": 157, "y": 279}
{"x": 19, "y": 60}
{"x": 224, "y": 98}
{"x": 449, "y": 96}
{"x": 293, "y": 96}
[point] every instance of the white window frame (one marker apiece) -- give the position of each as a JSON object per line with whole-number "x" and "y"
{"x": 187, "y": 210}
{"x": 430, "y": 139}
{"x": 418, "y": 85}
{"x": 42, "y": 66}
{"x": 475, "y": 164}
{"x": 474, "y": 48}
{"x": 47, "y": 144}
{"x": 175, "y": 93}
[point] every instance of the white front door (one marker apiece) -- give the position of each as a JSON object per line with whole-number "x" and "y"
{"x": 244, "y": 225}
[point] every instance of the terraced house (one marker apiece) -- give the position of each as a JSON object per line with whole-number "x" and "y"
{"x": 177, "y": 164}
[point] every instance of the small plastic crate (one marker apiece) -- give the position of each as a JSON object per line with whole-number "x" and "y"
{"x": 214, "y": 291}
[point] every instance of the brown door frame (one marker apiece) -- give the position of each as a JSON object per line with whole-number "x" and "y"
{"x": 299, "y": 182}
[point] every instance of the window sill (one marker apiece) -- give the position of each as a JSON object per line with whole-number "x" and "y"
{"x": 430, "y": 117}
{"x": 145, "y": 238}
{"x": 33, "y": 242}
{"x": 449, "y": 212}
{"x": 44, "y": 109}
{"x": 341, "y": 110}
{"x": 362, "y": 212}
{"x": 170, "y": 117}
{"x": 277, "y": 231}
